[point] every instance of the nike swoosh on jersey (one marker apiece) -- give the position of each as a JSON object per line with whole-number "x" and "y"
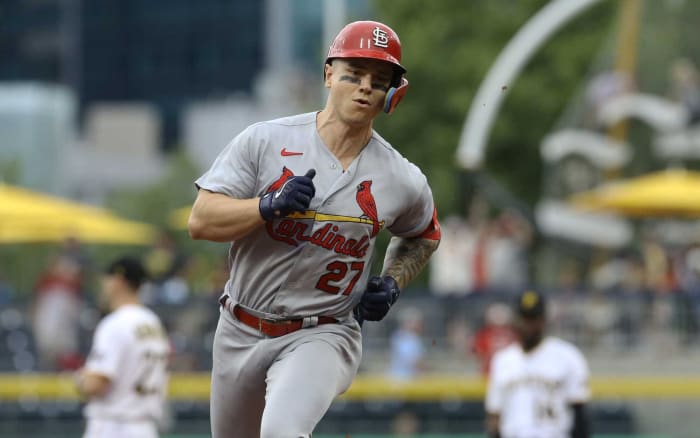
{"x": 285, "y": 153}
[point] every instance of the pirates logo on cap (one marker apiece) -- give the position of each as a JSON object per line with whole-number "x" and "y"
{"x": 529, "y": 300}
{"x": 530, "y": 304}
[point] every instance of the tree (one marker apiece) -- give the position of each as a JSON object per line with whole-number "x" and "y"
{"x": 448, "y": 46}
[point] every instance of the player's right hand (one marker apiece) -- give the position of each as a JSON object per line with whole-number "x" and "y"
{"x": 294, "y": 195}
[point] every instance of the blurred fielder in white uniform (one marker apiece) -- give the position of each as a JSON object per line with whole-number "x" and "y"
{"x": 125, "y": 377}
{"x": 538, "y": 386}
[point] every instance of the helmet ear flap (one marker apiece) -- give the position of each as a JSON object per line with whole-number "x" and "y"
{"x": 394, "y": 96}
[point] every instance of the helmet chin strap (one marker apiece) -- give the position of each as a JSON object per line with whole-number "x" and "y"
{"x": 394, "y": 96}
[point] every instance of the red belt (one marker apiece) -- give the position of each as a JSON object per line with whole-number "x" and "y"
{"x": 271, "y": 327}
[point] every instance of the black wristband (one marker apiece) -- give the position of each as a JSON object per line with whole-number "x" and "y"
{"x": 265, "y": 207}
{"x": 396, "y": 291}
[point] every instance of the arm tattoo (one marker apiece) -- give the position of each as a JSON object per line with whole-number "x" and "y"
{"x": 405, "y": 258}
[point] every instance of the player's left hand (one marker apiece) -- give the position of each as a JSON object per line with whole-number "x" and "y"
{"x": 380, "y": 295}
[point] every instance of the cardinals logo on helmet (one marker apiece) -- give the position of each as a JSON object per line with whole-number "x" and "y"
{"x": 381, "y": 38}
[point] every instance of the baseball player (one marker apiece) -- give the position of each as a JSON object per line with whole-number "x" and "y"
{"x": 302, "y": 200}
{"x": 538, "y": 387}
{"x": 125, "y": 375}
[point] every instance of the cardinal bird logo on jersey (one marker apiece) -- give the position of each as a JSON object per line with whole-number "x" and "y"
{"x": 286, "y": 174}
{"x": 333, "y": 231}
{"x": 366, "y": 202}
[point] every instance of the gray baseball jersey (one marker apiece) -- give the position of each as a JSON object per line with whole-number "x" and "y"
{"x": 315, "y": 263}
{"x": 307, "y": 264}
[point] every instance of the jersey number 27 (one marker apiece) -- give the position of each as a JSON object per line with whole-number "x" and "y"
{"x": 337, "y": 271}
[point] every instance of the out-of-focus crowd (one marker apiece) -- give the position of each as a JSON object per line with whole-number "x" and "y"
{"x": 50, "y": 328}
{"x": 627, "y": 301}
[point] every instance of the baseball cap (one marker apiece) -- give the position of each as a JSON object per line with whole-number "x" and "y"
{"x": 531, "y": 304}
{"x": 128, "y": 268}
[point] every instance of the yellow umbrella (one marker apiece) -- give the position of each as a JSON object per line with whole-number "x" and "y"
{"x": 178, "y": 218}
{"x": 668, "y": 193}
{"x": 106, "y": 230}
{"x": 27, "y": 216}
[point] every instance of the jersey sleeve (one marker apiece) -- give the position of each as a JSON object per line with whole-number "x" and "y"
{"x": 577, "y": 386}
{"x": 107, "y": 349}
{"x": 494, "y": 389}
{"x": 233, "y": 173}
{"x": 418, "y": 213}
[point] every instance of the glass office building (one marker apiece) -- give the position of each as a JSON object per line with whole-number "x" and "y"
{"x": 165, "y": 52}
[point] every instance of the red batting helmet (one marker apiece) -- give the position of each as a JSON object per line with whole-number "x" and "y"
{"x": 367, "y": 39}
{"x": 371, "y": 39}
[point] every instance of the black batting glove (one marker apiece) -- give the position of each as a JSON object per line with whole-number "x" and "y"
{"x": 294, "y": 195}
{"x": 381, "y": 294}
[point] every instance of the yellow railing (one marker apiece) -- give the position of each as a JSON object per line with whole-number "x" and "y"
{"x": 195, "y": 386}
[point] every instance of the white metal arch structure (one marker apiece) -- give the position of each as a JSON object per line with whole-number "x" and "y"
{"x": 485, "y": 105}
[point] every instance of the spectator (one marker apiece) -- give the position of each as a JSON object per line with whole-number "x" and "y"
{"x": 599, "y": 316}
{"x": 407, "y": 349}
{"x": 507, "y": 249}
{"x": 74, "y": 250}
{"x": 6, "y": 291}
{"x": 56, "y": 313}
{"x": 566, "y": 316}
{"x": 609, "y": 275}
{"x": 448, "y": 266}
{"x": 165, "y": 266}
{"x": 685, "y": 82}
{"x": 658, "y": 269}
{"x": 632, "y": 299}
{"x": 688, "y": 306}
{"x": 479, "y": 254}
{"x": 479, "y": 227}
{"x": 495, "y": 334}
